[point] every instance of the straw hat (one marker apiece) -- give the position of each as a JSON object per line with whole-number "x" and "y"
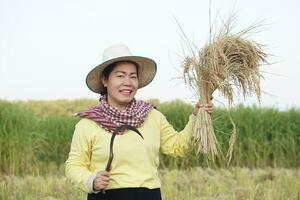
{"x": 115, "y": 53}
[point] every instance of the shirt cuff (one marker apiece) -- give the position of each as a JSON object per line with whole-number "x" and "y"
{"x": 90, "y": 184}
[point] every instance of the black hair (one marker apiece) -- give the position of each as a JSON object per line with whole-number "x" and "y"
{"x": 107, "y": 70}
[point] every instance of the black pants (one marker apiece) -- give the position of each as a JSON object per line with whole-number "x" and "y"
{"x": 127, "y": 194}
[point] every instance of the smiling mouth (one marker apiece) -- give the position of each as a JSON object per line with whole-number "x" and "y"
{"x": 126, "y": 92}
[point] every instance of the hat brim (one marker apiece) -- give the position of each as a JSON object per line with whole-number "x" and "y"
{"x": 146, "y": 72}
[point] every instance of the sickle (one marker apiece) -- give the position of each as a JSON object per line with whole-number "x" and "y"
{"x": 111, "y": 153}
{"x": 116, "y": 131}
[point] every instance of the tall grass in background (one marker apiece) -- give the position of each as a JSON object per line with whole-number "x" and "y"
{"x": 30, "y": 143}
{"x": 35, "y": 138}
{"x": 266, "y": 137}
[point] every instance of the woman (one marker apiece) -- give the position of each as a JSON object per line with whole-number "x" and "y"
{"x": 134, "y": 170}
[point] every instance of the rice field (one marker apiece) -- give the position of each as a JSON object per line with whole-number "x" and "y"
{"x": 35, "y": 138}
{"x": 194, "y": 184}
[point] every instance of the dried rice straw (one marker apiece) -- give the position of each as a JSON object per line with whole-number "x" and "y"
{"x": 227, "y": 62}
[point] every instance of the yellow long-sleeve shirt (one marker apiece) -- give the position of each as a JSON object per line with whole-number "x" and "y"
{"x": 135, "y": 160}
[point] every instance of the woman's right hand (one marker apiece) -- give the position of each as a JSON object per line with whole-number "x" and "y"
{"x": 101, "y": 181}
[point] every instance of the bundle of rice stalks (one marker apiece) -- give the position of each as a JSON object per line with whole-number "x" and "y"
{"x": 229, "y": 63}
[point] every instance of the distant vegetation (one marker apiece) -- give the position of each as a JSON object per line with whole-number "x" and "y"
{"x": 35, "y": 136}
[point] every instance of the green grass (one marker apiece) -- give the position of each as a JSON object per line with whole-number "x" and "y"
{"x": 29, "y": 142}
{"x": 266, "y": 137}
{"x": 36, "y": 136}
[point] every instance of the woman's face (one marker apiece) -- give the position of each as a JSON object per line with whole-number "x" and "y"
{"x": 121, "y": 84}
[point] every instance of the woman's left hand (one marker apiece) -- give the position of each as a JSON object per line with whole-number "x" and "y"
{"x": 207, "y": 107}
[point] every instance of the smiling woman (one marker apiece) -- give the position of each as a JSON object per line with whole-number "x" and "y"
{"x": 133, "y": 174}
{"x": 120, "y": 80}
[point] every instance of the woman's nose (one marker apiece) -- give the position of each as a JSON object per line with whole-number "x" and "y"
{"x": 126, "y": 81}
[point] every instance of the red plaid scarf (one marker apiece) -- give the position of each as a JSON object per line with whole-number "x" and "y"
{"x": 110, "y": 118}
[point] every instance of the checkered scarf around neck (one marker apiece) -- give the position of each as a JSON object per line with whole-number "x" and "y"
{"x": 110, "y": 118}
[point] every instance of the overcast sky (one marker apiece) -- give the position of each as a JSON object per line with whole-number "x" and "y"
{"x": 48, "y": 47}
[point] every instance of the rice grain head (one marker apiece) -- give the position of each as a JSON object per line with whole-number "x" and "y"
{"x": 228, "y": 62}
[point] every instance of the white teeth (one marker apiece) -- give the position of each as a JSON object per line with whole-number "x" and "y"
{"x": 126, "y": 91}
